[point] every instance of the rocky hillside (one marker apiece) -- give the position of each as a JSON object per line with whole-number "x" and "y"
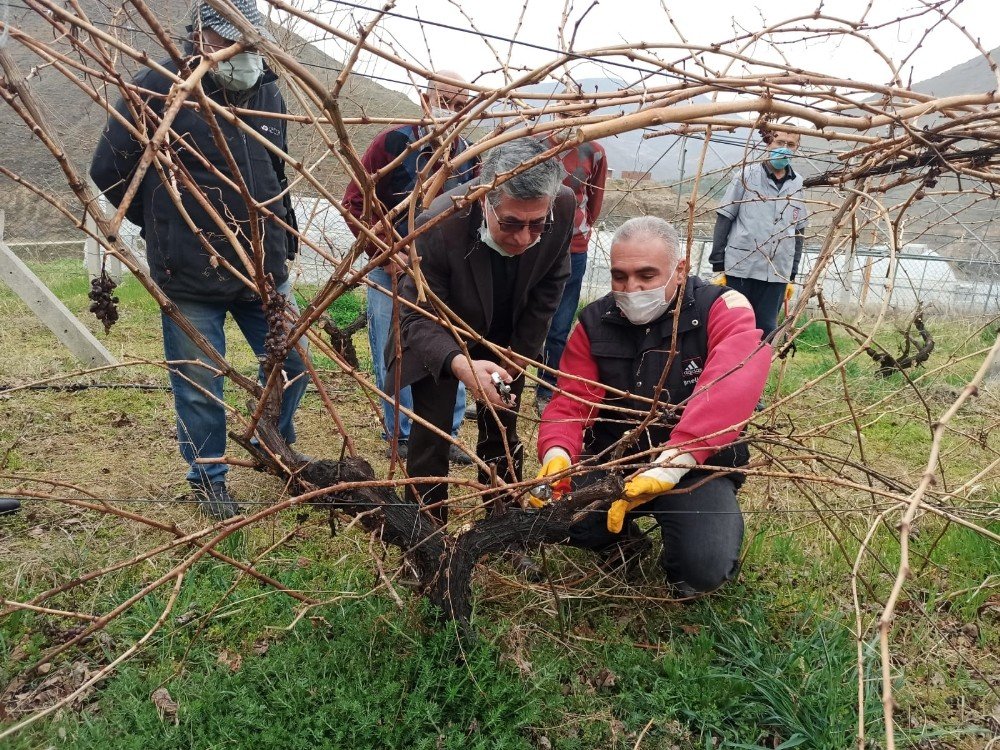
{"x": 78, "y": 120}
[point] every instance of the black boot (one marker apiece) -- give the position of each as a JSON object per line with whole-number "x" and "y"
{"x": 626, "y": 556}
{"x": 9, "y": 505}
{"x": 214, "y": 500}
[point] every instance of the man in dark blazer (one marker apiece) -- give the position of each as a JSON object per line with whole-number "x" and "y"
{"x": 498, "y": 265}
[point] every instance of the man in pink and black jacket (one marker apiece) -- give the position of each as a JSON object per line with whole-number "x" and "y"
{"x": 664, "y": 371}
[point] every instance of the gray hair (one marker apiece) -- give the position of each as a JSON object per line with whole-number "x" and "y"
{"x": 541, "y": 181}
{"x": 650, "y": 227}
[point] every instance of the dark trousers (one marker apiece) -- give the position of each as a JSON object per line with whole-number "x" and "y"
{"x": 428, "y": 452}
{"x": 701, "y": 525}
{"x": 562, "y": 321}
{"x": 765, "y": 298}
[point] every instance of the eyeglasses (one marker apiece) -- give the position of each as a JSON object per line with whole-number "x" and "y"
{"x": 455, "y": 102}
{"x": 535, "y": 227}
{"x": 783, "y": 141}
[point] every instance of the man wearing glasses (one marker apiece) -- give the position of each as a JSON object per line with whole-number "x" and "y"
{"x": 494, "y": 269}
{"x": 441, "y": 100}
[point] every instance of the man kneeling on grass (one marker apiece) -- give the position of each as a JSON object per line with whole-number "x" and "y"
{"x": 674, "y": 367}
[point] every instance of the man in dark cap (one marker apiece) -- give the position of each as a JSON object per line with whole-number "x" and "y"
{"x": 203, "y": 257}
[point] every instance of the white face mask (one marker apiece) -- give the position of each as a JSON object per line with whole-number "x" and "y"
{"x": 642, "y": 307}
{"x": 487, "y": 239}
{"x": 241, "y": 71}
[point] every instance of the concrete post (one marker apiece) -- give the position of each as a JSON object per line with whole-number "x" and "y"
{"x": 93, "y": 253}
{"x": 50, "y": 310}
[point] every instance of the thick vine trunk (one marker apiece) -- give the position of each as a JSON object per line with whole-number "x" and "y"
{"x": 444, "y": 562}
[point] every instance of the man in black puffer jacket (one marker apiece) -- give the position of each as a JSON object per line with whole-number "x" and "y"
{"x": 190, "y": 256}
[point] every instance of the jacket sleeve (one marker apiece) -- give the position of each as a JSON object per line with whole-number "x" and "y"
{"x": 799, "y": 240}
{"x": 291, "y": 237}
{"x": 729, "y": 206}
{"x": 425, "y": 338}
{"x": 115, "y": 159}
{"x": 800, "y": 236}
{"x": 720, "y": 238}
{"x": 565, "y": 418}
{"x": 544, "y": 297}
{"x": 376, "y": 156}
{"x": 731, "y": 384}
{"x": 595, "y": 185}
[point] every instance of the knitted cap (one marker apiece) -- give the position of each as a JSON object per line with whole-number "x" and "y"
{"x": 204, "y": 15}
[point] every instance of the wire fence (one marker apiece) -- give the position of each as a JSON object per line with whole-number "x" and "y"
{"x": 861, "y": 279}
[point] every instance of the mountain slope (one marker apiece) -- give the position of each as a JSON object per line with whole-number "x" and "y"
{"x": 971, "y": 77}
{"x": 661, "y": 157}
{"x": 78, "y": 120}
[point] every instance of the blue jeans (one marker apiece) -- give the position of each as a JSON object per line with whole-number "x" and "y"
{"x": 201, "y": 419}
{"x": 380, "y": 324}
{"x": 562, "y": 321}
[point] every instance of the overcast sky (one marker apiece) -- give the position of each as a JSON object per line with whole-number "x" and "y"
{"x": 616, "y": 22}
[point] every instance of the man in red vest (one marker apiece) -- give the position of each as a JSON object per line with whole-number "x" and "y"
{"x": 668, "y": 368}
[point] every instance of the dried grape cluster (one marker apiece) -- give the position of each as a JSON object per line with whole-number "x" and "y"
{"x": 104, "y": 306}
{"x": 276, "y": 340}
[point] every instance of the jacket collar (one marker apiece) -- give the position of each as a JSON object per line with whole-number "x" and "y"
{"x": 789, "y": 177}
{"x": 479, "y": 259}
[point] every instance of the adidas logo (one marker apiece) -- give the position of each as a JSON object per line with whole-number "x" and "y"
{"x": 691, "y": 368}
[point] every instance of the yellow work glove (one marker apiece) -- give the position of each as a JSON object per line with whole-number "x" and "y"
{"x": 555, "y": 461}
{"x": 720, "y": 280}
{"x": 789, "y": 291}
{"x": 668, "y": 469}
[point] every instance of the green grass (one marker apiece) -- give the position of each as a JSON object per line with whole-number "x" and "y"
{"x": 344, "y": 310}
{"x": 768, "y": 662}
{"x": 347, "y": 307}
{"x": 963, "y": 555}
{"x": 761, "y": 665}
{"x": 741, "y": 671}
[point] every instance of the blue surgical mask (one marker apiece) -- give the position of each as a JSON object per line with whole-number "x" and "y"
{"x": 780, "y": 158}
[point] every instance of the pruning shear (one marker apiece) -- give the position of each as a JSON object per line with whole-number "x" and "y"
{"x": 541, "y": 494}
{"x": 543, "y": 491}
{"x": 502, "y": 388}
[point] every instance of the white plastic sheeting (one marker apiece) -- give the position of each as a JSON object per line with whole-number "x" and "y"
{"x": 865, "y": 278}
